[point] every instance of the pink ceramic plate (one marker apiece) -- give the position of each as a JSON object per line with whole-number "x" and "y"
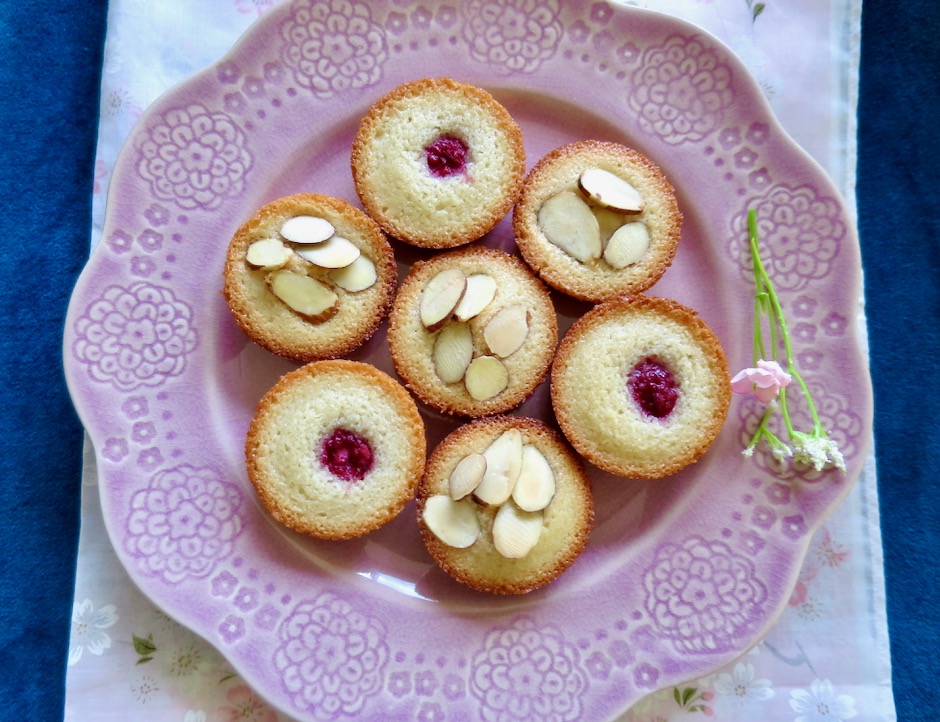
{"x": 679, "y": 577}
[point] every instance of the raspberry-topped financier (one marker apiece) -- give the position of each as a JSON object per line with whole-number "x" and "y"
{"x": 437, "y": 162}
{"x": 335, "y": 449}
{"x": 597, "y": 219}
{"x": 504, "y": 505}
{"x": 472, "y": 331}
{"x": 309, "y": 277}
{"x": 640, "y": 386}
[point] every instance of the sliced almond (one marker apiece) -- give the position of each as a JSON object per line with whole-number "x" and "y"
{"x": 453, "y": 522}
{"x": 486, "y": 377}
{"x": 480, "y": 291}
{"x": 516, "y": 532}
{"x": 337, "y": 252}
{"x": 628, "y": 245}
{"x": 268, "y": 253}
{"x": 503, "y": 463}
{"x": 567, "y": 222}
{"x": 507, "y": 330}
{"x": 441, "y": 296}
{"x": 357, "y": 276}
{"x": 307, "y": 229}
{"x": 453, "y": 351}
{"x": 608, "y": 221}
{"x": 611, "y": 191}
{"x": 305, "y": 295}
{"x": 466, "y": 476}
{"x": 535, "y": 487}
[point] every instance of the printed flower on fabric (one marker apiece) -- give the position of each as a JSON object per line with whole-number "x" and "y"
{"x": 525, "y": 672}
{"x": 145, "y": 688}
{"x": 829, "y": 552}
{"x": 702, "y": 595}
{"x": 101, "y": 172}
{"x": 741, "y": 685}
{"x": 800, "y": 592}
{"x": 135, "y": 336}
{"x": 820, "y": 703}
{"x": 183, "y": 523}
{"x": 681, "y": 90}
{"x": 254, "y": 7}
{"x": 194, "y": 157}
{"x": 331, "y": 657}
{"x": 88, "y": 625}
{"x": 243, "y": 705}
{"x": 512, "y": 35}
{"x": 333, "y": 45}
{"x": 183, "y": 662}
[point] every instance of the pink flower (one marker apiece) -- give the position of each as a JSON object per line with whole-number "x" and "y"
{"x": 764, "y": 382}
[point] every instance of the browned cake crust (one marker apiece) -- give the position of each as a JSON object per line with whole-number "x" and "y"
{"x": 282, "y": 448}
{"x": 596, "y": 279}
{"x": 269, "y": 322}
{"x": 595, "y": 408}
{"x": 412, "y": 345}
{"x": 392, "y": 177}
{"x": 567, "y": 523}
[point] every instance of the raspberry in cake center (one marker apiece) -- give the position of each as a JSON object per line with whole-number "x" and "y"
{"x": 448, "y": 155}
{"x": 347, "y": 455}
{"x": 653, "y": 387}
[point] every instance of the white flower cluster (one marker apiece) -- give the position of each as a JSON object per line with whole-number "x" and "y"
{"x": 817, "y": 451}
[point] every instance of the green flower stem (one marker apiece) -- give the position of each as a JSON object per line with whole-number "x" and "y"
{"x": 767, "y": 293}
{"x": 763, "y": 432}
{"x": 785, "y": 410}
{"x": 766, "y": 302}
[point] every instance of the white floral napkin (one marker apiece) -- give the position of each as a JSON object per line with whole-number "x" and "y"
{"x": 826, "y": 660}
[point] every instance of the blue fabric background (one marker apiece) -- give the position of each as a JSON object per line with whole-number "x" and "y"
{"x": 50, "y": 58}
{"x": 899, "y": 225}
{"x": 50, "y": 63}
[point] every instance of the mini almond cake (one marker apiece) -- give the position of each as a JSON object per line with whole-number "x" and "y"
{"x": 504, "y": 506}
{"x": 438, "y": 163}
{"x": 309, "y": 277}
{"x": 472, "y": 331}
{"x": 640, "y": 386}
{"x": 335, "y": 449}
{"x": 597, "y": 219}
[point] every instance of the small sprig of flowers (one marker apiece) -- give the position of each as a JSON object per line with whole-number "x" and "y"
{"x": 768, "y": 380}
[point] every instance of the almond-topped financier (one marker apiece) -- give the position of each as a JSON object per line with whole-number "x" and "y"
{"x": 309, "y": 277}
{"x": 640, "y": 386}
{"x": 438, "y": 162}
{"x": 597, "y": 219}
{"x": 472, "y": 331}
{"x": 335, "y": 449}
{"x": 504, "y": 505}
